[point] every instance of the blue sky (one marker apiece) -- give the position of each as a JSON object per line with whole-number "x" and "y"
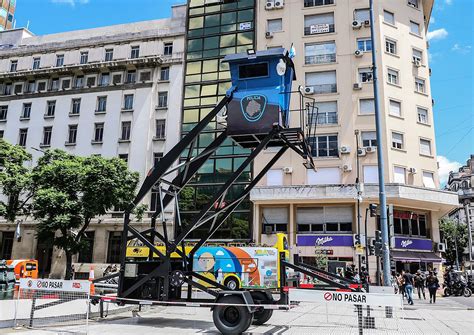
{"x": 451, "y": 55}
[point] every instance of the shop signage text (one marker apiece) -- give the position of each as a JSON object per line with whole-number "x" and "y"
{"x": 409, "y": 243}
{"x": 324, "y": 240}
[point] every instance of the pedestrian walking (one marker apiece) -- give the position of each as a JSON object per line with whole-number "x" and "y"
{"x": 432, "y": 283}
{"x": 401, "y": 284}
{"x": 408, "y": 279}
{"x": 420, "y": 284}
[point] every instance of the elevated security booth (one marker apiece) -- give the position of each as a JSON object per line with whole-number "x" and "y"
{"x": 261, "y": 89}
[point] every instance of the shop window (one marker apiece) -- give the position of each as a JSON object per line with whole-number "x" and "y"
{"x": 324, "y": 220}
{"x": 274, "y": 219}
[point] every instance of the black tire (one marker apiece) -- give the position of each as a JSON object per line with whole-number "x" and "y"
{"x": 467, "y": 292}
{"x": 231, "y": 319}
{"x": 232, "y": 283}
{"x": 260, "y": 316}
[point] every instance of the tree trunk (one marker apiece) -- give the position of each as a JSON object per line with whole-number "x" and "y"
{"x": 69, "y": 273}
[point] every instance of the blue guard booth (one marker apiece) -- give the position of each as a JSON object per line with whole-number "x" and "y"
{"x": 261, "y": 90}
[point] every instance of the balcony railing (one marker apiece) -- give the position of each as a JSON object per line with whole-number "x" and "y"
{"x": 314, "y": 3}
{"x": 324, "y": 88}
{"x": 320, "y": 59}
{"x": 318, "y": 29}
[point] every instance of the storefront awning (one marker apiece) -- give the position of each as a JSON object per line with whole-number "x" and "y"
{"x": 414, "y": 256}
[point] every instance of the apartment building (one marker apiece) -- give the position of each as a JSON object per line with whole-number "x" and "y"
{"x": 112, "y": 91}
{"x": 318, "y": 209}
{"x": 7, "y": 12}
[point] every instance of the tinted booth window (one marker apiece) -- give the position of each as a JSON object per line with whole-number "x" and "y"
{"x": 253, "y": 70}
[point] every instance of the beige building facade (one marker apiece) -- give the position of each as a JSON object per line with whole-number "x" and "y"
{"x": 318, "y": 209}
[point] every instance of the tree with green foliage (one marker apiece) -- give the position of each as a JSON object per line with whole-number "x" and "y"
{"x": 455, "y": 234}
{"x": 15, "y": 181}
{"x": 71, "y": 191}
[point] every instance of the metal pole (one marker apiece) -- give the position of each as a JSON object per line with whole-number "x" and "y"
{"x": 469, "y": 231}
{"x": 378, "y": 128}
{"x": 456, "y": 243}
{"x": 366, "y": 241}
{"x": 358, "y": 197}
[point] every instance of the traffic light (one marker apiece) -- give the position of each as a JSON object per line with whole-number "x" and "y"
{"x": 378, "y": 243}
{"x": 371, "y": 250}
{"x": 373, "y": 210}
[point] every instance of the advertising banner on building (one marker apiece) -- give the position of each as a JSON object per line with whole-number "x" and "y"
{"x": 409, "y": 243}
{"x": 325, "y": 240}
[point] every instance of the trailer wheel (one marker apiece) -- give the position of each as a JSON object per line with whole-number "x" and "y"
{"x": 260, "y": 316}
{"x": 232, "y": 283}
{"x": 231, "y": 319}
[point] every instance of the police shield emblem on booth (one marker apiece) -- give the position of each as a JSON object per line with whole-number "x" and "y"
{"x": 253, "y": 107}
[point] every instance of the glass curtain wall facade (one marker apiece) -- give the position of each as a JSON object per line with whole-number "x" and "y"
{"x": 215, "y": 29}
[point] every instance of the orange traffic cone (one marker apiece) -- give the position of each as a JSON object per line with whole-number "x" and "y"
{"x": 91, "y": 278}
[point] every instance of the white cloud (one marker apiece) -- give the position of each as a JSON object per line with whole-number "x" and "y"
{"x": 437, "y": 34}
{"x": 448, "y": 2}
{"x": 71, "y": 2}
{"x": 445, "y": 166}
{"x": 462, "y": 49}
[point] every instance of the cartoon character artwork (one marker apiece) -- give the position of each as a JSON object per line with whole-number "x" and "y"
{"x": 205, "y": 266}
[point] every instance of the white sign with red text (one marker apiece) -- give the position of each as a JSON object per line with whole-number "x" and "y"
{"x": 55, "y": 285}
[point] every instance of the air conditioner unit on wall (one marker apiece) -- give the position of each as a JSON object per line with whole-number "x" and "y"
{"x": 357, "y": 86}
{"x": 417, "y": 62}
{"x": 356, "y": 24}
{"x": 358, "y": 53}
{"x": 279, "y": 3}
{"x": 441, "y": 247}
{"x": 308, "y": 90}
{"x": 270, "y": 4}
{"x": 367, "y": 23}
{"x": 287, "y": 170}
{"x": 347, "y": 168}
{"x": 268, "y": 34}
{"x": 412, "y": 170}
{"x": 361, "y": 152}
{"x": 345, "y": 149}
{"x": 371, "y": 149}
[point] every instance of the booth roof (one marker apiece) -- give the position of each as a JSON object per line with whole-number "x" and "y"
{"x": 258, "y": 54}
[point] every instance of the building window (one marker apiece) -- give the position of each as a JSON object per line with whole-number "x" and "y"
{"x": 322, "y": 82}
{"x": 3, "y": 113}
{"x": 417, "y": 56}
{"x": 371, "y": 174}
{"x": 84, "y": 57}
{"x": 54, "y": 84}
{"x": 72, "y": 134}
{"x": 168, "y": 49}
{"x": 50, "y": 108}
{"x": 369, "y": 139}
{"x": 413, "y": 3}
{"x": 90, "y": 81}
{"x": 66, "y": 84}
{"x": 274, "y": 25}
{"x": 123, "y": 157}
{"x": 85, "y": 255}
{"x": 319, "y": 24}
{"x": 126, "y": 130}
{"x": 392, "y": 76}
{"x": 395, "y": 108}
{"x": 422, "y": 115}
{"x": 128, "y": 101}
{"x": 98, "y": 132}
{"x": 59, "y": 60}
{"x": 420, "y": 85}
{"x": 326, "y": 113}
{"x": 320, "y": 53}
{"x": 30, "y": 87}
{"x": 75, "y": 106}
{"x": 47, "y": 133}
{"x": 314, "y": 3}
{"x": 13, "y": 65}
{"x": 324, "y": 146}
{"x": 425, "y": 147}
{"x": 41, "y": 86}
{"x": 408, "y": 224}
{"x": 365, "y": 74}
{"x": 366, "y": 106}
{"x": 275, "y": 177}
{"x": 2, "y": 132}
{"x": 135, "y": 52}
{"x": 145, "y": 76}
{"x": 428, "y": 179}
{"x": 274, "y": 219}
{"x": 6, "y": 244}
{"x": 157, "y": 156}
{"x": 399, "y": 175}
{"x": 390, "y": 46}
{"x": 36, "y": 63}
{"x": 116, "y": 79}
{"x": 324, "y": 220}
{"x": 101, "y": 104}
{"x": 26, "y": 111}
{"x": 18, "y": 88}
{"x": 388, "y": 17}
{"x": 415, "y": 28}
{"x": 160, "y": 132}
{"x": 397, "y": 140}
{"x": 324, "y": 176}
{"x": 162, "y": 99}
{"x": 165, "y": 73}
{"x": 364, "y": 44}
{"x": 8, "y": 89}
{"x": 22, "y": 136}
{"x": 362, "y": 15}
{"x": 114, "y": 246}
{"x": 104, "y": 79}
{"x": 131, "y": 77}
{"x": 109, "y": 55}
{"x": 79, "y": 82}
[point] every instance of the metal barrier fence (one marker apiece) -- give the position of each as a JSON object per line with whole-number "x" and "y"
{"x": 53, "y": 303}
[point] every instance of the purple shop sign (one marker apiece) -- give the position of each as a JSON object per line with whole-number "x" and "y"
{"x": 413, "y": 243}
{"x": 324, "y": 240}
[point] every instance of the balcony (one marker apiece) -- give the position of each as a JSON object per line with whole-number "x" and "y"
{"x": 320, "y": 59}
{"x": 318, "y": 29}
